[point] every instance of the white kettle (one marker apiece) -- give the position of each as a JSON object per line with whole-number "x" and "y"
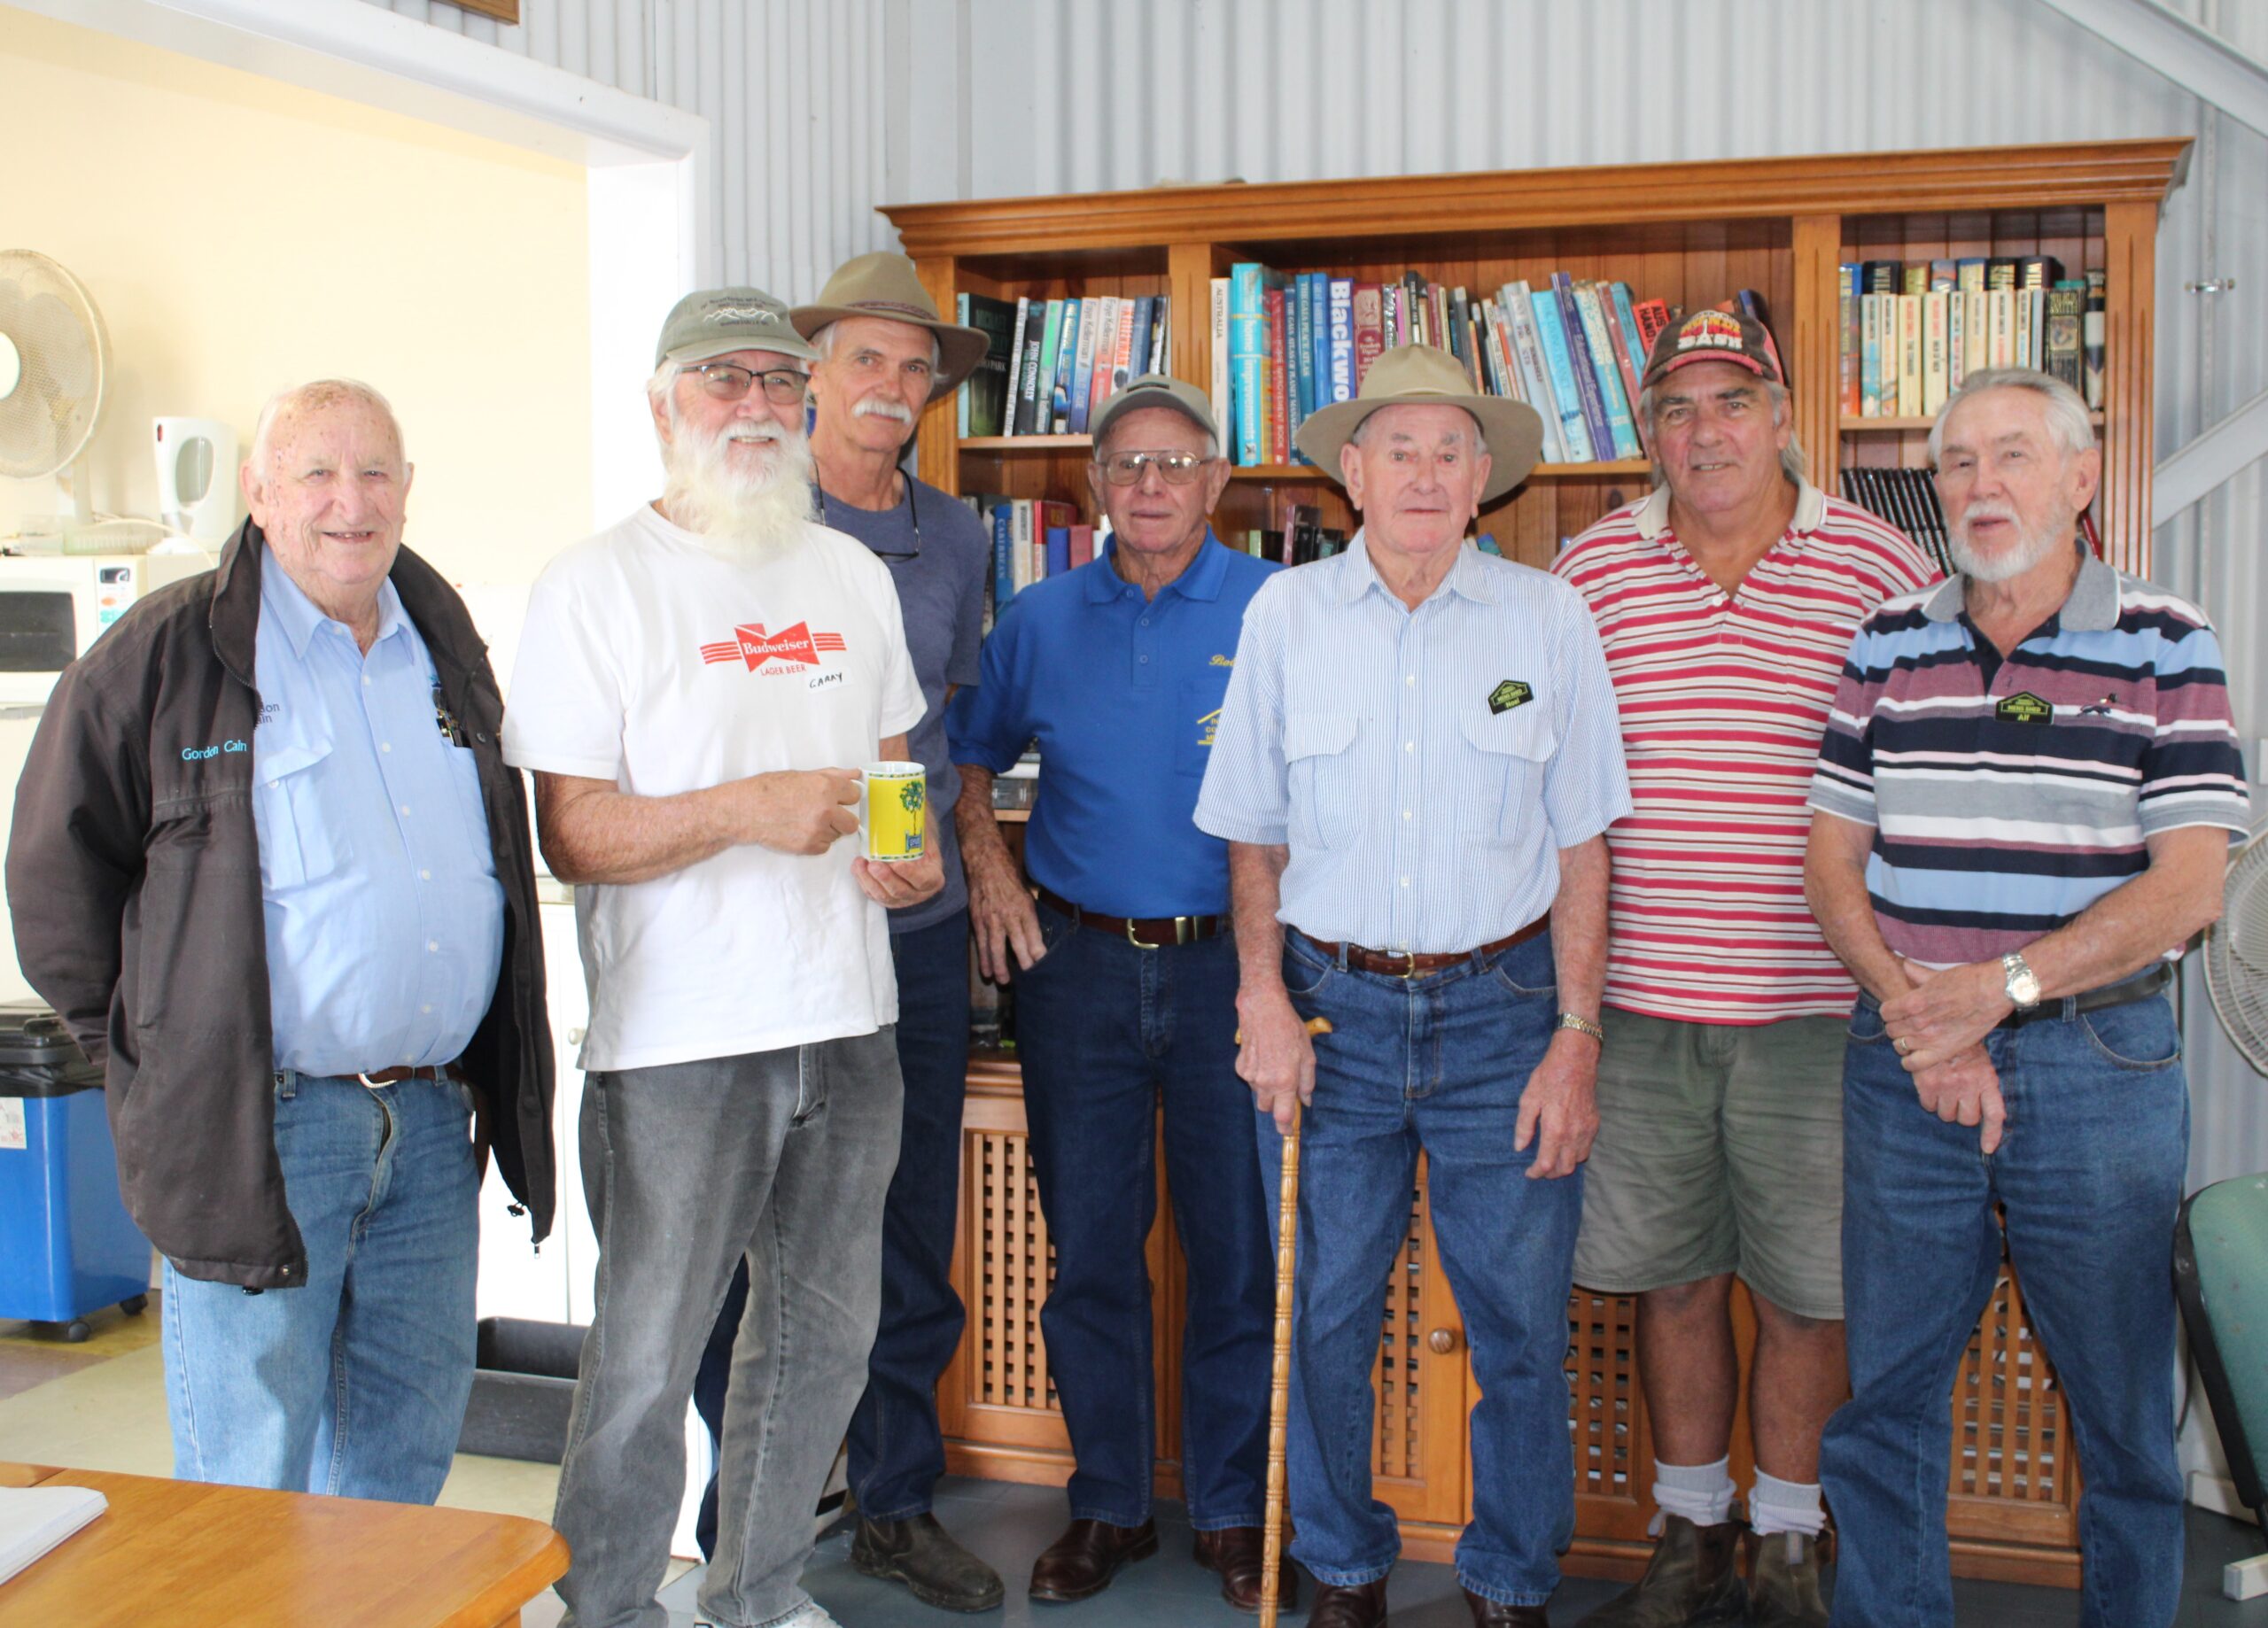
{"x": 196, "y": 478}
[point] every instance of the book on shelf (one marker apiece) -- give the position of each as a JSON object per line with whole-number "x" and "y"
{"x": 1050, "y": 363}
{"x": 1082, "y": 366}
{"x": 2066, "y": 310}
{"x": 2090, "y": 330}
{"x": 984, "y": 394}
{"x": 1067, "y": 368}
{"x": 1218, "y": 349}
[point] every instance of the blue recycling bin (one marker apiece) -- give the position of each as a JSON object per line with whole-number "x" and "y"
{"x": 68, "y": 1247}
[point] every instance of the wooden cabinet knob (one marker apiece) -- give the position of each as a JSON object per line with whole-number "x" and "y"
{"x": 1442, "y": 1340}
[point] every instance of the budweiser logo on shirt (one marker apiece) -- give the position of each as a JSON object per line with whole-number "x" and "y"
{"x": 791, "y": 646}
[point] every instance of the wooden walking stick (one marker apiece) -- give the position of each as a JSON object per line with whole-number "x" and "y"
{"x": 1279, "y": 1384}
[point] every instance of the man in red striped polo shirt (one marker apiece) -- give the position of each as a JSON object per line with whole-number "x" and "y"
{"x": 1725, "y": 603}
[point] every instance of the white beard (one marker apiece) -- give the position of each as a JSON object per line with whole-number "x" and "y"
{"x": 2029, "y": 548}
{"x": 740, "y": 506}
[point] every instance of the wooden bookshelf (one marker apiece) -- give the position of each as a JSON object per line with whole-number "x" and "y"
{"x": 1689, "y": 234}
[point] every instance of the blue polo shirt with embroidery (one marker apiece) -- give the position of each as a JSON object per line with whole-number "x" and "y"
{"x": 1121, "y": 696}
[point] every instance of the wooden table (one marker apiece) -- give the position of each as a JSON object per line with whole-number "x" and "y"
{"x": 187, "y": 1553}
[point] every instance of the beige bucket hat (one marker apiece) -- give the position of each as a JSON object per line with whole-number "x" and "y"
{"x": 1426, "y": 375}
{"x": 885, "y": 285}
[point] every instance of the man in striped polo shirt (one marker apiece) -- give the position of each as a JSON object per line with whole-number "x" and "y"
{"x": 1725, "y": 603}
{"x": 2024, "y": 803}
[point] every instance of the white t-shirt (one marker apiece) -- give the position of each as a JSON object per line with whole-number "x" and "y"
{"x": 653, "y": 660}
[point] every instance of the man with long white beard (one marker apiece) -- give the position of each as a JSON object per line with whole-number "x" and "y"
{"x": 696, "y": 689}
{"x": 2023, "y": 806}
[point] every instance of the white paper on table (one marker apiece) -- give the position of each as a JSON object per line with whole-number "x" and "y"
{"x": 35, "y": 1519}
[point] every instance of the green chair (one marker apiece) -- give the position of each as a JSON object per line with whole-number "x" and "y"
{"x": 2220, "y": 1272}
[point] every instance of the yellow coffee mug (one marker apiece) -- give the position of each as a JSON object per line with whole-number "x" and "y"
{"x": 890, "y": 813}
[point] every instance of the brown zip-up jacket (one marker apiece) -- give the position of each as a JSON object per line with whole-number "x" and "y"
{"x": 133, "y": 885}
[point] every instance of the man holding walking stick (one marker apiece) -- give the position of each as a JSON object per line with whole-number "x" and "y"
{"x": 1417, "y": 759}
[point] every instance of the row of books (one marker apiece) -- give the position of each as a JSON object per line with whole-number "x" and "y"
{"x": 1284, "y": 346}
{"x": 1032, "y": 538}
{"x": 1913, "y": 333}
{"x": 1050, "y": 363}
{"x": 1908, "y": 500}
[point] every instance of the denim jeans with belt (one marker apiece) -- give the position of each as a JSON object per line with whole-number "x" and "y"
{"x": 1106, "y": 1029}
{"x": 2089, "y": 1176}
{"x": 355, "y": 1382}
{"x": 781, "y": 1158}
{"x": 1436, "y": 1064}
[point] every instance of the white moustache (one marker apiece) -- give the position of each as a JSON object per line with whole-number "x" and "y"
{"x": 875, "y": 408}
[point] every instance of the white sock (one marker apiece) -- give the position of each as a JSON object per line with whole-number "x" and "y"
{"x": 1778, "y": 1505}
{"x": 1703, "y": 1493}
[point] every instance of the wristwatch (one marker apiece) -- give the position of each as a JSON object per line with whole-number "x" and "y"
{"x": 1582, "y": 1025}
{"x": 2023, "y": 983}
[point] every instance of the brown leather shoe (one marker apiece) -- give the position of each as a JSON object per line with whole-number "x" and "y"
{"x": 1495, "y": 1614}
{"x": 1363, "y": 1606}
{"x": 1085, "y": 1559}
{"x": 1239, "y": 1553}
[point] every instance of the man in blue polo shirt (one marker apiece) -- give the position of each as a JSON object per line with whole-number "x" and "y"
{"x": 1125, "y": 979}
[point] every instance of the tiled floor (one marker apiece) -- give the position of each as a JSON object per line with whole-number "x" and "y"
{"x": 101, "y": 1406}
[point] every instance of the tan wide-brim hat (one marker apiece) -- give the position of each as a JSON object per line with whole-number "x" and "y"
{"x": 885, "y": 285}
{"x": 1426, "y": 375}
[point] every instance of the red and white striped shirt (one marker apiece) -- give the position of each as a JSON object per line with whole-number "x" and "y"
{"x": 1723, "y": 702}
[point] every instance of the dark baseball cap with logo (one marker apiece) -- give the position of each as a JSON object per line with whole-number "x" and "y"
{"x": 1711, "y": 336}
{"x": 716, "y": 322}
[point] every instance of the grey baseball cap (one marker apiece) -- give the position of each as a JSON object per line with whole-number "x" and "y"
{"x": 1157, "y": 389}
{"x": 716, "y": 322}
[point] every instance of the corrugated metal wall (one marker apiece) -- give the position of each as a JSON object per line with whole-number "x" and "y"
{"x": 793, "y": 89}
{"x": 824, "y": 110}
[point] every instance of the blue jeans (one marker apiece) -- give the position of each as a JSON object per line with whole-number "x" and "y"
{"x": 1106, "y": 1029}
{"x": 898, "y": 1450}
{"x": 353, "y": 1384}
{"x": 2090, "y": 1176}
{"x": 1436, "y": 1064}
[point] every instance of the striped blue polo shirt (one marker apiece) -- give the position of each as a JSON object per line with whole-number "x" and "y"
{"x": 2008, "y": 795}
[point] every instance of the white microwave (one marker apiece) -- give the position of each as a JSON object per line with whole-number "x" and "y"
{"x": 54, "y": 606}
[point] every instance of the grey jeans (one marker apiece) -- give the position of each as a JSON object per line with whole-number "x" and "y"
{"x": 784, "y": 1156}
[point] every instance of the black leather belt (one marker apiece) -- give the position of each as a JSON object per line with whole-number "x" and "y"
{"x": 2140, "y": 987}
{"x": 1149, "y": 932}
{"x": 1406, "y": 964}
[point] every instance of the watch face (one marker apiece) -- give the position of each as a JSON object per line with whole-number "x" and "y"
{"x": 2023, "y": 988}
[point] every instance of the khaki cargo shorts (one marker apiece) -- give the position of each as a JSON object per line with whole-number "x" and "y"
{"x": 1720, "y": 1149}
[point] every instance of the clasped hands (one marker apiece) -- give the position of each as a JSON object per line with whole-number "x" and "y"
{"x": 1938, "y": 1026}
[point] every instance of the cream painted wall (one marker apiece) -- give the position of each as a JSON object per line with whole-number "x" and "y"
{"x": 240, "y": 235}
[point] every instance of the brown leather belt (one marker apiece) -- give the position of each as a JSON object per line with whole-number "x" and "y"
{"x": 1151, "y": 933}
{"x": 1406, "y": 964}
{"x": 423, "y": 1071}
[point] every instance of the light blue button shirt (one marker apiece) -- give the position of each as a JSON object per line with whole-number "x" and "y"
{"x": 386, "y": 921}
{"x": 1424, "y": 766}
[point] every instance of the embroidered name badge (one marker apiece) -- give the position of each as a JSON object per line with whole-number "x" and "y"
{"x": 1512, "y": 693}
{"x": 2024, "y": 707}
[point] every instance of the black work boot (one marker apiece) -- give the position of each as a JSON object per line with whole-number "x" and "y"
{"x": 1784, "y": 1589}
{"x": 922, "y": 1555}
{"x": 1693, "y": 1581}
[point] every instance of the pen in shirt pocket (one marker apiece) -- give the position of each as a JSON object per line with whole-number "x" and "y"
{"x": 445, "y": 721}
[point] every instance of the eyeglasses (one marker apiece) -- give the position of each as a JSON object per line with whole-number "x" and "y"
{"x": 727, "y": 381}
{"x": 1126, "y": 469}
